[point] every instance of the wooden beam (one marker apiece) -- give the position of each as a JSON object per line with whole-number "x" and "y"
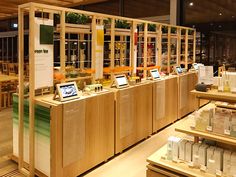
{"x": 62, "y": 43}
{"x": 31, "y": 92}
{"x": 21, "y": 88}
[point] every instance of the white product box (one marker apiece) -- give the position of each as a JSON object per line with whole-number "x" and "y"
{"x": 211, "y": 167}
{"x": 218, "y": 157}
{"x": 182, "y": 148}
{"x": 226, "y": 162}
{"x": 232, "y": 81}
{"x": 195, "y": 155}
{"x": 170, "y": 147}
{"x": 175, "y": 148}
{"x": 233, "y": 164}
{"x": 203, "y": 154}
{"x": 188, "y": 151}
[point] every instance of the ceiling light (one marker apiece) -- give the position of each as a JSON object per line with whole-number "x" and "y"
{"x": 191, "y": 4}
{"x": 220, "y": 13}
{"x": 220, "y": 26}
{"x": 232, "y": 16}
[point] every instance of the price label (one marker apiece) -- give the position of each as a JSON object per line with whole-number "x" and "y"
{"x": 209, "y": 128}
{"x": 227, "y": 132}
{"x": 203, "y": 168}
{"x": 218, "y": 173}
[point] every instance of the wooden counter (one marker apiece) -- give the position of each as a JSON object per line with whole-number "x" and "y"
{"x": 165, "y": 102}
{"x": 71, "y": 137}
{"x": 133, "y": 120}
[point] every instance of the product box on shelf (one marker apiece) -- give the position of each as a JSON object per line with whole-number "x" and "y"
{"x": 233, "y": 164}
{"x": 182, "y": 147}
{"x": 226, "y": 163}
{"x": 203, "y": 155}
{"x": 188, "y": 151}
{"x": 218, "y": 157}
{"x": 173, "y": 148}
{"x": 221, "y": 116}
{"x": 233, "y": 124}
{"x": 204, "y": 120}
{"x": 195, "y": 155}
{"x": 211, "y": 166}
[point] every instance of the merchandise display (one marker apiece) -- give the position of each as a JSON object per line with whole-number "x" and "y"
{"x": 116, "y": 118}
{"x": 209, "y": 159}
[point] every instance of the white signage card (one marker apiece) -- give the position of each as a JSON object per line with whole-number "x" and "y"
{"x": 43, "y": 55}
{"x": 205, "y": 75}
{"x": 99, "y": 52}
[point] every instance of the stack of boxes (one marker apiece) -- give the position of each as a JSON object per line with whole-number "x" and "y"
{"x": 216, "y": 120}
{"x": 207, "y": 158}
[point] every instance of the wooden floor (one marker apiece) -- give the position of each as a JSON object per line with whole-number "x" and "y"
{"x": 7, "y": 167}
{"x": 131, "y": 163}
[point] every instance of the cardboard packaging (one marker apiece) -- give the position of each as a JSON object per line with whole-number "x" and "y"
{"x": 195, "y": 155}
{"x": 182, "y": 147}
{"x": 175, "y": 153}
{"x": 233, "y": 124}
{"x": 233, "y": 164}
{"x": 211, "y": 167}
{"x": 204, "y": 119}
{"x": 218, "y": 157}
{"x": 221, "y": 115}
{"x": 188, "y": 151}
{"x": 173, "y": 148}
{"x": 203, "y": 155}
{"x": 226, "y": 162}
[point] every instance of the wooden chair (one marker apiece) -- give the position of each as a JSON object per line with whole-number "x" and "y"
{"x": 4, "y": 95}
{"x": 16, "y": 68}
{"x": 11, "y": 69}
{"x": 5, "y": 69}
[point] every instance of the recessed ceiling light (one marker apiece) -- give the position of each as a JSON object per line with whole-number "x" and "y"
{"x": 232, "y": 16}
{"x": 191, "y": 4}
{"x": 220, "y": 13}
{"x": 211, "y": 24}
{"x": 220, "y": 26}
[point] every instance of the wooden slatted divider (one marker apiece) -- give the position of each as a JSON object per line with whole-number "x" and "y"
{"x": 145, "y": 50}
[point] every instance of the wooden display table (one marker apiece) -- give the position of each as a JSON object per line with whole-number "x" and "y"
{"x": 213, "y": 94}
{"x": 159, "y": 167}
{"x": 72, "y": 136}
{"x": 133, "y": 120}
{"x": 165, "y": 102}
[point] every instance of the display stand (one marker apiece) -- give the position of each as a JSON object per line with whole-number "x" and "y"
{"x": 89, "y": 119}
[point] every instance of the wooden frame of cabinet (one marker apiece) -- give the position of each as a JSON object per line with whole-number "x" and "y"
{"x": 31, "y": 9}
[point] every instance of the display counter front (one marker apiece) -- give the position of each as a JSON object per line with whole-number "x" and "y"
{"x": 133, "y": 118}
{"x": 70, "y": 137}
{"x": 165, "y": 102}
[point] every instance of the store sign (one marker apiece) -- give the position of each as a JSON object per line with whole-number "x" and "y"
{"x": 205, "y": 75}
{"x": 43, "y": 53}
{"x": 99, "y": 52}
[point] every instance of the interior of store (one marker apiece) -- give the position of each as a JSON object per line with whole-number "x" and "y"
{"x": 118, "y": 88}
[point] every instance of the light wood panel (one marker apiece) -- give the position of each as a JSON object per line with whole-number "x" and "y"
{"x": 133, "y": 115}
{"x": 165, "y": 101}
{"x": 98, "y": 140}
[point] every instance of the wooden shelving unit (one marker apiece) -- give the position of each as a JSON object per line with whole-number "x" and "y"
{"x": 207, "y": 135}
{"x": 165, "y": 168}
{"x": 158, "y": 166}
